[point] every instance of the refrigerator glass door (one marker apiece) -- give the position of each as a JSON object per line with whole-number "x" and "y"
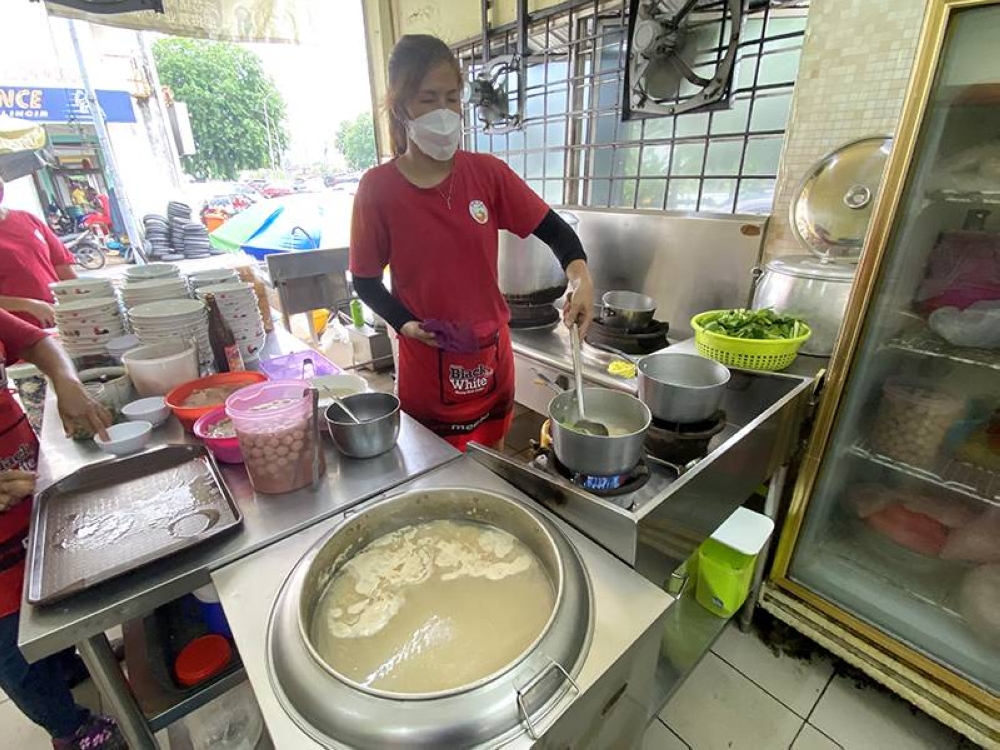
{"x": 903, "y": 526}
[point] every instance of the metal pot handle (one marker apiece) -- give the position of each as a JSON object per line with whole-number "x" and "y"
{"x": 616, "y": 352}
{"x": 531, "y": 685}
{"x": 543, "y": 379}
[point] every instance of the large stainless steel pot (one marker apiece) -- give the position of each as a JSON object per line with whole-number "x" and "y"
{"x": 811, "y": 289}
{"x": 681, "y": 388}
{"x": 527, "y": 268}
{"x": 599, "y": 455}
{"x": 340, "y": 713}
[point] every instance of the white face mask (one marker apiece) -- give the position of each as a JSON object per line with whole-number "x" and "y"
{"x": 437, "y": 133}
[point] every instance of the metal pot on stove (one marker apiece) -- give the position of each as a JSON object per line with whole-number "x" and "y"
{"x": 498, "y": 708}
{"x": 627, "y": 310}
{"x": 829, "y": 214}
{"x": 528, "y": 272}
{"x": 626, "y": 418}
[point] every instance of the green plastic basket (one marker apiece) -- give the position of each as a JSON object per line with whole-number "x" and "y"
{"x": 746, "y": 354}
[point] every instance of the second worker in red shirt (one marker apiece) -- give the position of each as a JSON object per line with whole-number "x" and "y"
{"x": 433, "y": 214}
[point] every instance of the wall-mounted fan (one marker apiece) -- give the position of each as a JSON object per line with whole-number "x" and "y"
{"x": 495, "y": 91}
{"x": 678, "y": 60}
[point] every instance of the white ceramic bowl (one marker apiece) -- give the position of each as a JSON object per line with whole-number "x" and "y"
{"x": 153, "y": 410}
{"x": 340, "y": 386}
{"x": 156, "y": 369}
{"x": 125, "y": 438}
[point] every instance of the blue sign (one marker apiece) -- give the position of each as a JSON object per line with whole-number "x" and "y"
{"x": 65, "y": 105}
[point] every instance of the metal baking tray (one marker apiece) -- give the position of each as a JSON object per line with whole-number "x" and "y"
{"x": 113, "y": 516}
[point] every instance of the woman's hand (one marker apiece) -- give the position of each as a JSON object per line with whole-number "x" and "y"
{"x": 579, "y": 306}
{"x": 413, "y": 330}
{"x": 43, "y": 312}
{"x": 15, "y": 485}
{"x": 77, "y": 407}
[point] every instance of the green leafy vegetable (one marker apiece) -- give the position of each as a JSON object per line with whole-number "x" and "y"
{"x": 763, "y": 324}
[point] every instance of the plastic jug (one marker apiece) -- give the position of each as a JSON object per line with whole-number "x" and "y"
{"x": 726, "y": 561}
{"x": 275, "y": 423}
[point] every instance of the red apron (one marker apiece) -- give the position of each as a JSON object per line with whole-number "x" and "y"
{"x": 462, "y": 398}
{"x": 18, "y": 450}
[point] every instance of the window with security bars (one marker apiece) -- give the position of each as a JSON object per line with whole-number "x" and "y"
{"x": 574, "y": 148}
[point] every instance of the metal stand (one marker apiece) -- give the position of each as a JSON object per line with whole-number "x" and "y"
{"x": 774, "y": 491}
{"x": 97, "y": 655}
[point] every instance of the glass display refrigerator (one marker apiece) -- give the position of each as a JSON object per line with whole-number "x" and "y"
{"x": 890, "y": 554}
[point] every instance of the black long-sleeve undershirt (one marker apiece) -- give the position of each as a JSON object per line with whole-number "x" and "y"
{"x": 553, "y": 231}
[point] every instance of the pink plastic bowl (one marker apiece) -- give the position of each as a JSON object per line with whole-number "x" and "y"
{"x": 226, "y": 449}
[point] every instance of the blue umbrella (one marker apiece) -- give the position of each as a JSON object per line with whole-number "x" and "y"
{"x": 294, "y": 222}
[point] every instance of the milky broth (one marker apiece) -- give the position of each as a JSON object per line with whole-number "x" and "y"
{"x": 431, "y": 607}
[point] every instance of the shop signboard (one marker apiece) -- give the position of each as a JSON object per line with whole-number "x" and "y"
{"x": 63, "y": 105}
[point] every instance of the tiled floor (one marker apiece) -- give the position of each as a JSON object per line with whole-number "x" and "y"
{"x": 743, "y": 696}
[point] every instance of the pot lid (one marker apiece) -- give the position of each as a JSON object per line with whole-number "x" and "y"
{"x": 810, "y": 267}
{"x": 832, "y": 206}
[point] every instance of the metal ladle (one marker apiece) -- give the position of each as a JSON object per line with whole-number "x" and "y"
{"x": 348, "y": 412}
{"x": 584, "y": 425}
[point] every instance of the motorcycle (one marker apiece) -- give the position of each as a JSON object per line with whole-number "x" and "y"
{"x": 86, "y": 249}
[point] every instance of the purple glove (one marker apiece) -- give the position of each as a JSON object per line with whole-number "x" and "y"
{"x": 453, "y": 337}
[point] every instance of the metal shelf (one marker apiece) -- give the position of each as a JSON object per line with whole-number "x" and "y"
{"x": 161, "y": 706}
{"x": 948, "y": 473}
{"x": 927, "y": 343}
{"x": 976, "y": 197}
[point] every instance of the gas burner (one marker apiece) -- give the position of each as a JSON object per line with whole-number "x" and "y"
{"x": 646, "y": 340}
{"x": 525, "y": 315}
{"x": 610, "y": 487}
{"x": 679, "y": 444}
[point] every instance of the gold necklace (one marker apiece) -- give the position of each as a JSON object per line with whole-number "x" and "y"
{"x": 451, "y": 184}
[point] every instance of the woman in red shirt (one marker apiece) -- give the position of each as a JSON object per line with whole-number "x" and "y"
{"x": 433, "y": 214}
{"x": 39, "y": 690}
{"x": 31, "y": 258}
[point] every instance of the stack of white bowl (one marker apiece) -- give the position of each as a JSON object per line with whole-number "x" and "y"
{"x": 87, "y": 323}
{"x": 151, "y": 271}
{"x": 168, "y": 287}
{"x": 65, "y": 291}
{"x": 213, "y": 276}
{"x": 172, "y": 319}
{"x": 237, "y": 302}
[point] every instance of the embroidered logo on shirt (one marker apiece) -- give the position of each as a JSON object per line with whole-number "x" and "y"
{"x": 478, "y": 211}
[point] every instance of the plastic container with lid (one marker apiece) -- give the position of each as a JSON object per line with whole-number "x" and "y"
{"x": 275, "y": 424}
{"x": 202, "y": 659}
{"x": 912, "y": 423}
{"x": 726, "y": 561}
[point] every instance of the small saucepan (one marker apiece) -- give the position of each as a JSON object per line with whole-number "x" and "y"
{"x": 627, "y": 310}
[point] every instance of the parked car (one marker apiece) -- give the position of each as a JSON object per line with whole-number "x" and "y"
{"x": 349, "y": 185}
{"x": 276, "y": 189}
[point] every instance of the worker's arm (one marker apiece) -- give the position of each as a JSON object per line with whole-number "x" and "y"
{"x": 65, "y": 272}
{"x": 76, "y": 406}
{"x": 42, "y": 312}
{"x": 62, "y": 259}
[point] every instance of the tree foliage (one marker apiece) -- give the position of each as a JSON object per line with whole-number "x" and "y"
{"x": 231, "y": 101}
{"x": 356, "y": 141}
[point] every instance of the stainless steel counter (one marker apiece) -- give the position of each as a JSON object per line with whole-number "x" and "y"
{"x": 551, "y": 347}
{"x": 266, "y": 519}
{"x": 628, "y": 611}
